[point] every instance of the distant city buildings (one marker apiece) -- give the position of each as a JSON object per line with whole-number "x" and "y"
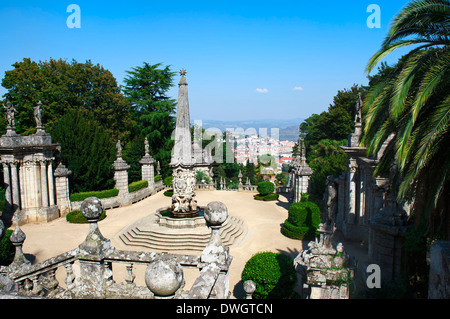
{"x": 247, "y": 149}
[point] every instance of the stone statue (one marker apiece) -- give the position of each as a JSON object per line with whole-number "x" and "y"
{"x": 358, "y": 108}
{"x": 330, "y": 197}
{"x": 119, "y": 149}
{"x": 10, "y": 109}
{"x": 37, "y": 114}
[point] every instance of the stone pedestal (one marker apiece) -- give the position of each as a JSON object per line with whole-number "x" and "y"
{"x": 148, "y": 171}
{"x": 62, "y": 189}
{"x": 386, "y": 238}
{"x": 121, "y": 178}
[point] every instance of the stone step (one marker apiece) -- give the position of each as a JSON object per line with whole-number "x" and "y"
{"x": 182, "y": 239}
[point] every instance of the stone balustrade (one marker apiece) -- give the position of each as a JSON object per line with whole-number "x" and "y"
{"x": 96, "y": 259}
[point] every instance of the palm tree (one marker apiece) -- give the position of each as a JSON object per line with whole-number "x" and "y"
{"x": 408, "y": 110}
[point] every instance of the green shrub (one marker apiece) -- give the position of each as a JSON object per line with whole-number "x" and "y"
{"x": 7, "y": 250}
{"x": 265, "y": 188}
{"x": 304, "y": 197}
{"x": 168, "y": 181}
{"x": 168, "y": 193}
{"x": 268, "y": 197}
{"x": 78, "y": 197}
{"x": 273, "y": 274}
{"x": 157, "y": 178}
{"x": 303, "y": 221}
{"x": 135, "y": 186}
{"x": 76, "y": 217}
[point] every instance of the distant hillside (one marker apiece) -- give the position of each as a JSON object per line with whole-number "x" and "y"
{"x": 288, "y": 128}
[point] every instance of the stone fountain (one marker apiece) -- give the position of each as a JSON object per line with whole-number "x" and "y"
{"x": 182, "y": 224}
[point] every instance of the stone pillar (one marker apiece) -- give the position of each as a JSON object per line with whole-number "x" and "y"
{"x": 7, "y": 183}
{"x": 387, "y": 235}
{"x": 92, "y": 280}
{"x": 62, "y": 189}
{"x": 15, "y": 187}
{"x": 51, "y": 188}
{"x": 147, "y": 167}
{"x": 44, "y": 184}
{"x": 351, "y": 191}
{"x": 121, "y": 178}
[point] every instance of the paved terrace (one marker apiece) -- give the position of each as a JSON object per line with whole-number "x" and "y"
{"x": 263, "y": 220}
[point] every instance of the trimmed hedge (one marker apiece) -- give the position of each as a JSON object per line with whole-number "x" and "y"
{"x": 78, "y": 197}
{"x": 168, "y": 193}
{"x": 265, "y": 188}
{"x": 157, "y": 178}
{"x": 76, "y": 217}
{"x": 303, "y": 221}
{"x": 268, "y": 197}
{"x": 135, "y": 186}
{"x": 273, "y": 273}
{"x": 7, "y": 250}
{"x": 168, "y": 181}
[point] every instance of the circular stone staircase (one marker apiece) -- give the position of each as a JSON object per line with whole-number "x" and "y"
{"x": 149, "y": 234}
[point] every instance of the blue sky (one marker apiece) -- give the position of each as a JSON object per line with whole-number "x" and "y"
{"x": 244, "y": 58}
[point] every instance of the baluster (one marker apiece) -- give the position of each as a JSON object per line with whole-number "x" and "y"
{"x": 52, "y": 281}
{"x": 108, "y": 273}
{"x": 37, "y": 288}
{"x": 70, "y": 278}
{"x": 27, "y": 285}
{"x": 129, "y": 278}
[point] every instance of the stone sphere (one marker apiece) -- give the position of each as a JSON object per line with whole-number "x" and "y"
{"x": 216, "y": 213}
{"x": 249, "y": 286}
{"x": 164, "y": 277}
{"x": 91, "y": 208}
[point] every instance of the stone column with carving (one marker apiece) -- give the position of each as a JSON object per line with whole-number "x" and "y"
{"x": 301, "y": 173}
{"x": 121, "y": 176}
{"x": 7, "y": 185}
{"x": 44, "y": 184}
{"x": 147, "y": 167}
{"x": 61, "y": 175}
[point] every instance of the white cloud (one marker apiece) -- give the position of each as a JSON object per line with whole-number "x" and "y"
{"x": 298, "y": 88}
{"x": 262, "y": 90}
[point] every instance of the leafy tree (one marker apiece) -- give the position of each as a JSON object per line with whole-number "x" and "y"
{"x": 325, "y": 158}
{"x": 132, "y": 154}
{"x": 146, "y": 88}
{"x": 63, "y": 86}
{"x": 86, "y": 150}
{"x": 410, "y": 109}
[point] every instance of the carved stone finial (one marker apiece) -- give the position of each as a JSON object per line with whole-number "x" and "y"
{"x": 183, "y": 72}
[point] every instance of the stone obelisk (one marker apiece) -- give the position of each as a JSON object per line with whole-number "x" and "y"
{"x": 183, "y": 202}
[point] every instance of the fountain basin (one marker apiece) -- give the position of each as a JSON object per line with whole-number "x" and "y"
{"x": 178, "y": 222}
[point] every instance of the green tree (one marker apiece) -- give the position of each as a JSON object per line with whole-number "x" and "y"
{"x": 146, "y": 88}
{"x": 325, "y": 158}
{"x": 63, "y": 86}
{"x": 410, "y": 109}
{"x": 86, "y": 150}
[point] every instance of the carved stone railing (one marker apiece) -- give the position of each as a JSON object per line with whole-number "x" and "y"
{"x": 95, "y": 259}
